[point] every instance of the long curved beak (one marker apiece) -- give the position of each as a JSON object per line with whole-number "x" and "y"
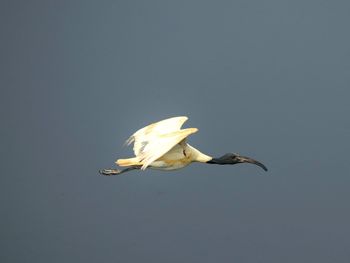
{"x": 243, "y": 159}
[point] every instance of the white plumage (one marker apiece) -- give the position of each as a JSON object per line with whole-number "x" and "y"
{"x": 163, "y": 145}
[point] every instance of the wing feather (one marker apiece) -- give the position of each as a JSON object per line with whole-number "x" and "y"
{"x": 152, "y": 132}
{"x": 155, "y": 148}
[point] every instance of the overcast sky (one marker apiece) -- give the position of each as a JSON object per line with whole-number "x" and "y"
{"x": 266, "y": 79}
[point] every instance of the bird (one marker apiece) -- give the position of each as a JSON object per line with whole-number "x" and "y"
{"x": 163, "y": 146}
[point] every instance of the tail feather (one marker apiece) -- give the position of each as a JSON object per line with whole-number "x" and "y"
{"x": 128, "y": 162}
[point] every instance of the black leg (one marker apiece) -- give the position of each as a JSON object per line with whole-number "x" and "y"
{"x": 109, "y": 172}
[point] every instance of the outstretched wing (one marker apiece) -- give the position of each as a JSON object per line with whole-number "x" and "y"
{"x": 153, "y": 132}
{"x": 156, "y": 147}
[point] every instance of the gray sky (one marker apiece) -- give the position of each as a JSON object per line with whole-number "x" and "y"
{"x": 266, "y": 79}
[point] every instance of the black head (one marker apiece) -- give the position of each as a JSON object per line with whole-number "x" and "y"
{"x": 234, "y": 158}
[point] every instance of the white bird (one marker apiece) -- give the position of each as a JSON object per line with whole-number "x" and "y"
{"x": 163, "y": 146}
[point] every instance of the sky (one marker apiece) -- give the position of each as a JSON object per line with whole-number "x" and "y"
{"x": 266, "y": 79}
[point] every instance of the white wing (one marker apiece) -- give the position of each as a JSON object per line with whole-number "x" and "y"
{"x": 156, "y": 139}
{"x": 153, "y": 131}
{"x": 156, "y": 147}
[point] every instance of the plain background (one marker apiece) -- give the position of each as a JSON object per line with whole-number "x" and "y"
{"x": 267, "y": 79}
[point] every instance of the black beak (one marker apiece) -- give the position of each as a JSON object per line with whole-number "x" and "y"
{"x": 243, "y": 159}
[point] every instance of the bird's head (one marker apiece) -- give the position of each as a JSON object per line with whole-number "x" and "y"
{"x": 234, "y": 158}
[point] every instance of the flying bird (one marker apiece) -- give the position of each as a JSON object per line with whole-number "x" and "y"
{"x": 163, "y": 146}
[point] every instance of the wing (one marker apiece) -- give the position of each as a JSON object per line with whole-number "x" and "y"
{"x": 152, "y": 132}
{"x": 155, "y": 148}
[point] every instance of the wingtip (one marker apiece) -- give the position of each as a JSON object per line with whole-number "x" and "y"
{"x": 194, "y": 130}
{"x": 143, "y": 167}
{"x": 129, "y": 140}
{"x": 181, "y": 118}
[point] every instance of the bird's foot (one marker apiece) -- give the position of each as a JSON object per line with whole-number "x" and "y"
{"x": 109, "y": 172}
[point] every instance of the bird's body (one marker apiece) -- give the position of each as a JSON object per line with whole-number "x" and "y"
{"x": 163, "y": 146}
{"x": 181, "y": 155}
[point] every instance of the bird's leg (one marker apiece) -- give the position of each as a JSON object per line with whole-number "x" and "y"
{"x": 109, "y": 172}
